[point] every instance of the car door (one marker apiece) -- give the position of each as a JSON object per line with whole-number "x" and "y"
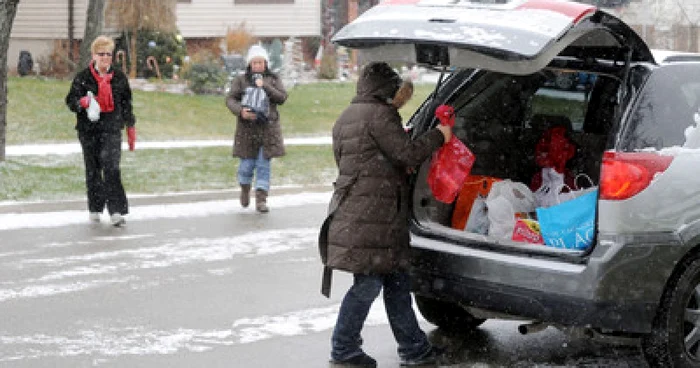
{"x": 515, "y": 37}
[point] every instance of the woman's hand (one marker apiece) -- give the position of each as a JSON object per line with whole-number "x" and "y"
{"x": 248, "y": 114}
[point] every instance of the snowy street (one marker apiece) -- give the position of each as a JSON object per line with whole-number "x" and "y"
{"x": 182, "y": 285}
{"x": 193, "y": 280}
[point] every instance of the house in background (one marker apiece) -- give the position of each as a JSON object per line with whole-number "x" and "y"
{"x": 41, "y": 25}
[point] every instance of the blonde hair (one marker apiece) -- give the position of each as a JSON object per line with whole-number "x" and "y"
{"x": 101, "y": 43}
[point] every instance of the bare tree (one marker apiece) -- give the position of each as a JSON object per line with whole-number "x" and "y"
{"x": 686, "y": 8}
{"x": 666, "y": 24}
{"x": 94, "y": 23}
{"x": 133, "y": 16}
{"x": 8, "y": 10}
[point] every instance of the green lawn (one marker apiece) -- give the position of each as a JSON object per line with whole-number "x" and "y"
{"x": 52, "y": 177}
{"x": 37, "y": 114}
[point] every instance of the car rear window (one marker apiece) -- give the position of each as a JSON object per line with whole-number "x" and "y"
{"x": 664, "y": 110}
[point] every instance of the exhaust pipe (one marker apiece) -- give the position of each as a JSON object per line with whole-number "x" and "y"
{"x": 532, "y": 327}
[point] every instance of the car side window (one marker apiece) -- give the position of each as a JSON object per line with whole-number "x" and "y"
{"x": 664, "y": 109}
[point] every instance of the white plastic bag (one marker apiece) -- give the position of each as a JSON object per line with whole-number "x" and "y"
{"x": 505, "y": 199}
{"x": 478, "y": 221}
{"x": 547, "y": 194}
{"x": 556, "y": 192}
{"x": 93, "y": 110}
{"x": 576, "y": 192}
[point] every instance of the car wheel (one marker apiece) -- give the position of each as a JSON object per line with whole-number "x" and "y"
{"x": 675, "y": 337}
{"x": 448, "y": 316}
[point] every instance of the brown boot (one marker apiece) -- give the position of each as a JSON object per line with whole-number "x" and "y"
{"x": 245, "y": 195}
{"x": 261, "y": 201}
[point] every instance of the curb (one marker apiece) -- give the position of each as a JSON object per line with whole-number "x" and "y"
{"x": 136, "y": 200}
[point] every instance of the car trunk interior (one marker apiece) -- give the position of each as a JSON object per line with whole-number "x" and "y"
{"x": 501, "y": 118}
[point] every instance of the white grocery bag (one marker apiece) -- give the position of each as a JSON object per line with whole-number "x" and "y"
{"x": 505, "y": 199}
{"x": 93, "y": 110}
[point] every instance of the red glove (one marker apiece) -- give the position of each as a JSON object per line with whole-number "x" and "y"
{"x": 446, "y": 115}
{"x": 131, "y": 136}
{"x": 85, "y": 102}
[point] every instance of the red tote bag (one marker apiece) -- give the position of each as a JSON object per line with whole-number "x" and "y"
{"x": 450, "y": 164}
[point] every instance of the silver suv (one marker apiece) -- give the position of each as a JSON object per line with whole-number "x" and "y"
{"x": 634, "y": 122}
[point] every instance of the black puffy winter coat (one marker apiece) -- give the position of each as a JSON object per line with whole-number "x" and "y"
{"x": 369, "y": 231}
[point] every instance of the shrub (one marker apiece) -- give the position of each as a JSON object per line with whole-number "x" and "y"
{"x": 275, "y": 51}
{"x": 237, "y": 40}
{"x": 329, "y": 66}
{"x": 57, "y": 64}
{"x": 206, "y": 78}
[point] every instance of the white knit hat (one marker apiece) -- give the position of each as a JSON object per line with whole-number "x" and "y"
{"x": 256, "y": 51}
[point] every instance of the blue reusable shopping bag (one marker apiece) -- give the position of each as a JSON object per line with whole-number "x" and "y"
{"x": 570, "y": 224}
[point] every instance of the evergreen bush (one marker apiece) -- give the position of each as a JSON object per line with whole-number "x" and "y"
{"x": 205, "y": 78}
{"x": 168, "y": 49}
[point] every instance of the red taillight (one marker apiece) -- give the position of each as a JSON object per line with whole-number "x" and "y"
{"x": 624, "y": 174}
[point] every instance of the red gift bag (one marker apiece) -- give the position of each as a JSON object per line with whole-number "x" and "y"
{"x": 451, "y": 163}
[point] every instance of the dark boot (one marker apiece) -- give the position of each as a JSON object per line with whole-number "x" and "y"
{"x": 361, "y": 360}
{"x": 245, "y": 195}
{"x": 261, "y": 201}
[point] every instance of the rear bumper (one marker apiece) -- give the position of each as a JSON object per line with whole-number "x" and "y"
{"x": 614, "y": 289}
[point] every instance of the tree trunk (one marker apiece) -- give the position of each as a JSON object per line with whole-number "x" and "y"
{"x": 8, "y": 9}
{"x": 71, "y": 27}
{"x": 94, "y": 24}
{"x": 132, "y": 54}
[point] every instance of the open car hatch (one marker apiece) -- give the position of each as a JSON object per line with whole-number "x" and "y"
{"x": 517, "y": 37}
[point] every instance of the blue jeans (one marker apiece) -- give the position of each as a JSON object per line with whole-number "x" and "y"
{"x": 260, "y": 167}
{"x": 346, "y": 341}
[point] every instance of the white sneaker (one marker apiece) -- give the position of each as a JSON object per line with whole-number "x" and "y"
{"x": 117, "y": 219}
{"x": 94, "y": 216}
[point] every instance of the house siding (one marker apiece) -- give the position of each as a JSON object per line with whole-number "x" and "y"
{"x": 39, "y": 23}
{"x": 202, "y": 19}
{"x": 47, "y": 19}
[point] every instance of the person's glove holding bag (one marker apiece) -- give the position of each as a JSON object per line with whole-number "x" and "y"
{"x": 91, "y": 106}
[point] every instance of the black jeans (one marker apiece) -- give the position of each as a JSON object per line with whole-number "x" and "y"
{"x": 346, "y": 341}
{"x": 102, "y": 153}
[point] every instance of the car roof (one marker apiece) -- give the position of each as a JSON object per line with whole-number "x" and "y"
{"x": 672, "y": 56}
{"x": 513, "y": 36}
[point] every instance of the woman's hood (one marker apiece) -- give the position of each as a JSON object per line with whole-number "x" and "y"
{"x": 378, "y": 80}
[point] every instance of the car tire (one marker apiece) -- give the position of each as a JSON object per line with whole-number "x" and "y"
{"x": 677, "y": 321}
{"x": 447, "y": 316}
